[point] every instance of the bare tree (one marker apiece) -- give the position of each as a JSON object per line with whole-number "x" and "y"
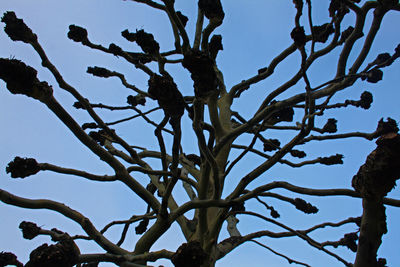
{"x": 219, "y": 130}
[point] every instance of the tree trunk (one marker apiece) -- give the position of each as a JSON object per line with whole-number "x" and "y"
{"x": 373, "y": 227}
{"x": 375, "y": 178}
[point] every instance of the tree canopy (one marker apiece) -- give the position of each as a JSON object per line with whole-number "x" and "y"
{"x": 203, "y": 129}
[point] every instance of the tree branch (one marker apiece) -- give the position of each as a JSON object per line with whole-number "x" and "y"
{"x": 74, "y": 215}
{"x": 54, "y": 168}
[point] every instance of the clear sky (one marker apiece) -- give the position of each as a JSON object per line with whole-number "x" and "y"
{"x": 253, "y": 33}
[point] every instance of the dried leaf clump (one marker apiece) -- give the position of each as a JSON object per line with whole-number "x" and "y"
{"x": 22, "y": 167}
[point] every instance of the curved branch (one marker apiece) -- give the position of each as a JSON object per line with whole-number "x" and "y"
{"x": 93, "y": 177}
{"x": 199, "y": 29}
{"x": 368, "y": 136}
{"x": 229, "y": 244}
{"x": 175, "y": 20}
{"x": 311, "y": 192}
{"x": 280, "y": 254}
{"x": 131, "y": 220}
{"x": 237, "y": 89}
{"x": 212, "y": 25}
{"x": 64, "y": 85}
{"x": 150, "y": 3}
{"x": 303, "y": 236}
{"x": 124, "y": 54}
{"x": 195, "y": 204}
{"x": 355, "y": 35}
{"x": 123, "y": 175}
{"x": 63, "y": 209}
{"x": 376, "y": 23}
{"x": 150, "y": 256}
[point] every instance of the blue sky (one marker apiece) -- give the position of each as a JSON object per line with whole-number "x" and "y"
{"x": 253, "y": 33}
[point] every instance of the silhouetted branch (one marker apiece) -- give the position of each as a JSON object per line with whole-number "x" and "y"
{"x": 84, "y": 222}
{"x": 120, "y": 259}
{"x": 54, "y": 168}
{"x": 280, "y": 254}
{"x": 150, "y": 3}
{"x": 303, "y": 236}
{"x": 292, "y": 106}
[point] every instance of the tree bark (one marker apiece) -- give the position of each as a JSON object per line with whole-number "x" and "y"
{"x": 373, "y": 227}
{"x": 375, "y": 178}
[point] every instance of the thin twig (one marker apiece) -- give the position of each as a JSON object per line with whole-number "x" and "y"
{"x": 280, "y": 254}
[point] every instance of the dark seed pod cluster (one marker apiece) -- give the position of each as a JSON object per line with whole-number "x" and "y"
{"x": 298, "y": 153}
{"x": 100, "y": 136}
{"x": 130, "y": 36}
{"x": 142, "y": 227}
{"x": 22, "y": 167}
{"x": 189, "y": 254}
{"x": 304, "y": 206}
{"x": 330, "y": 126}
{"x": 77, "y": 34}
{"x": 366, "y": 100}
{"x": 21, "y": 79}
{"x": 322, "y": 33}
{"x": 215, "y": 45}
{"x": 16, "y": 29}
{"x": 89, "y": 125}
{"x": 373, "y": 76}
{"x": 8, "y": 258}
{"x": 29, "y": 229}
{"x": 332, "y": 160}
{"x": 164, "y": 90}
{"x": 274, "y": 213}
{"x": 115, "y": 49}
{"x": 285, "y": 114}
{"x": 349, "y": 240}
{"x": 144, "y": 40}
{"x": 139, "y": 57}
{"x": 62, "y": 254}
{"x": 382, "y": 58}
{"x": 299, "y": 37}
{"x": 271, "y": 145}
{"x": 147, "y": 43}
{"x": 99, "y": 72}
{"x": 138, "y": 99}
{"x": 212, "y": 9}
{"x": 385, "y": 127}
{"x": 78, "y": 105}
{"x": 201, "y": 67}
